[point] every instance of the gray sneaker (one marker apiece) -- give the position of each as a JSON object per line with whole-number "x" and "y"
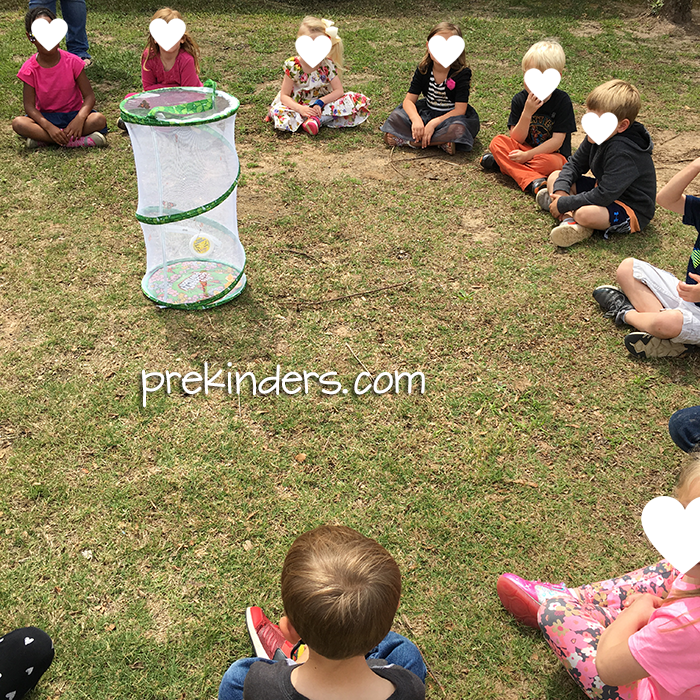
{"x": 543, "y": 199}
{"x": 644, "y": 345}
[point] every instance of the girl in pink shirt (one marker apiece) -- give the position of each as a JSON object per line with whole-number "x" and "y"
{"x": 58, "y": 97}
{"x": 177, "y": 67}
{"x": 636, "y": 637}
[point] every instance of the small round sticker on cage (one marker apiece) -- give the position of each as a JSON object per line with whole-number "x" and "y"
{"x": 200, "y": 244}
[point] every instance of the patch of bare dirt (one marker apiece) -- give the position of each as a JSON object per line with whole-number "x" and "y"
{"x": 375, "y": 163}
{"x": 474, "y": 225}
{"x": 672, "y": 151}
{"x": 587, "y": 29}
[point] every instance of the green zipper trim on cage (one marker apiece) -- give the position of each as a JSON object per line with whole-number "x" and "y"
{"x": 190, "y": 213}
{"x": 149, "y": 120}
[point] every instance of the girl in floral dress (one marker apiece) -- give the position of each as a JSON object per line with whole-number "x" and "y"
{"x": 312, "y": 96}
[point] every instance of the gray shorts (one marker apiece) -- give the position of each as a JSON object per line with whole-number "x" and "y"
{"x": 664, "y": 285}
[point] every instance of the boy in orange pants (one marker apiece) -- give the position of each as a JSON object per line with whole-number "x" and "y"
{"x": 540, "y": 131}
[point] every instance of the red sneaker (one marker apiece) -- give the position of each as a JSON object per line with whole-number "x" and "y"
{"x": 311, "y": 126}
{"x": 265, "y": 636}
{"x": 522, "y": 598}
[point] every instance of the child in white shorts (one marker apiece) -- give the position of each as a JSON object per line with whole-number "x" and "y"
{"x": 665, "y": 310}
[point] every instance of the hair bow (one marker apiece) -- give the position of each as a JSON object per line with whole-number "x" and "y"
{"x": 331, "y": 31}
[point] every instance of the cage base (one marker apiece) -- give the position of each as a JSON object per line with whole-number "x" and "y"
{"x": 190, "y": 284}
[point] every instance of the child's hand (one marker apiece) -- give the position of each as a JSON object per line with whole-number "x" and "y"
{"x": 520, "y": 156}
{"x": 57, "y": 135}
{"x": 532, "y": 104}
{"x": 317, "y": 111}
{"x": 306, "y": 111}
{"x": 417, "y": 129}
{"x": 554, "y": 210}
{"x": 428, "y": 132}
{"x": 642, "y": 606}
{"x": 690, "y": 292}
{"x": 75, "y": 129}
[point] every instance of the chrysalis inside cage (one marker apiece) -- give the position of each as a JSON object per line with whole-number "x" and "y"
{"x": 187, "y": 170}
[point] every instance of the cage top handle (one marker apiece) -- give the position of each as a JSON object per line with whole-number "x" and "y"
{"x": 203, "y": 105}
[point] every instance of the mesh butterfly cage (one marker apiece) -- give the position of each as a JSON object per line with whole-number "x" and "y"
{"x": 187, "y": 170}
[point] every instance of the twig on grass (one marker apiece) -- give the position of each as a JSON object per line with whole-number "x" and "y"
{"x": 351, "y": 296}
{"x": 362, "y": 364}
{"x": 294, "y": 251}
{"x": 427, "y": 667}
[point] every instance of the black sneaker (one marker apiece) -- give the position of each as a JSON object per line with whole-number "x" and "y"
{"x": 644, "y": 345}
{"x": 535, "y": 186}
{"x": 488, "y": 162}
{"x": 613, "y": 302}
{"x": 121, "y": 124}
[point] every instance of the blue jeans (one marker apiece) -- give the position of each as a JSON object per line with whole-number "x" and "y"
{"x": 74, "y": 13}
{"x": 394, "y": 649}
{"x": 684, "y": 427}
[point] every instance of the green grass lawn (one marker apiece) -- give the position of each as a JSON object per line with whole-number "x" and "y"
{"x": 136, "y": 537}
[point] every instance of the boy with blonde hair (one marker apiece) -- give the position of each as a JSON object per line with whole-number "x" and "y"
{"x": 540, "y": 131}
{"x": 620, "y": 198}
{"x": 340, "y": 592}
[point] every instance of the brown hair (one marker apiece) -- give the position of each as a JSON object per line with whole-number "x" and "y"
{"x": 340, "y": 591}
{"x": 187, "y": 42}
{"x": 616, "y": 96}
{"x": 458, "y": 64}
{"x": 313, "y": 26}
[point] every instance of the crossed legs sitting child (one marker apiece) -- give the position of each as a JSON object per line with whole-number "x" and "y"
{"x": 665, "y": 310}
{"x": 340, "y": 592}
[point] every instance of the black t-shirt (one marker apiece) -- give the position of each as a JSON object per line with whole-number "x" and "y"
{"x": 691, "y": 216}
{"x": 267, "y": 681}
{"x": 420, "y": 84}
{"x": 555, "y": 116}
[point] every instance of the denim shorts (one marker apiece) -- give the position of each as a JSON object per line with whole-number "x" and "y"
{"x": 63, "y": 119}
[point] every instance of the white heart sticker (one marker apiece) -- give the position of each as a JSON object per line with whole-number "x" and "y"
{"x": 600, "y": 127}
{"x": 49, "y": 34}
{"x": 446, "y": 51}
{"x": 10, "y": 696}
{"x": 29, "y": 670}
{"x": 167, "y": 34}
{"x": 540, "y": 84}
{"x": 313, "y": 51}
{"x": 673, "y": 530}
{"x": 28, "y": 640}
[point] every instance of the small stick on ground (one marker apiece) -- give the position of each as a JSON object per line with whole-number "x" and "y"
{"x": 362, "y": 364}
{"x": 427, "y": 668}
{"x": 294, "y": 251}
{"x": 351, "y": 296}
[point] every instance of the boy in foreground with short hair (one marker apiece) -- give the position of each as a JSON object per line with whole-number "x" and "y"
{"x": 620, "y": 196}
{"x": 540, "y": 131}
{"x": 665, "y": 310}
{"x": 340, "y": 592}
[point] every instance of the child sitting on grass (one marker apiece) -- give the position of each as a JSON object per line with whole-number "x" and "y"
{"x": 620, "y": 196}
{"x": 58, "y": 98}
{"x": 540, "y": 130}
{"x": 665, "y": 310}
{"x": 340, "y": 592}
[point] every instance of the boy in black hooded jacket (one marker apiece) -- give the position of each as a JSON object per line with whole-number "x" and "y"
{"x": 620, "y": 198}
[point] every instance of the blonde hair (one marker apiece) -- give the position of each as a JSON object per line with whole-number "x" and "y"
{"x": 459, "y": 63}
{"x": 187, "y": 42}
{"x": 543, "y": 55}
{"x": 314, "y": 26}
{"x": 689, "y": 474}
{"x": 340, "y": 591}
{"x": 616, "y": 96}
